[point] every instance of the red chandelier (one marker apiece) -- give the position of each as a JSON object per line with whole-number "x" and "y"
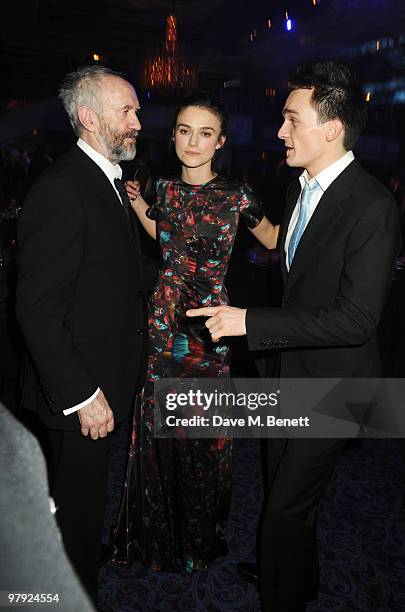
{"x": 170, "y": 71}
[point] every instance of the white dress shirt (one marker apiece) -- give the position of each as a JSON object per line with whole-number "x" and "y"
{"x": 324, "y": 179}
{"x": 111, "y": 171}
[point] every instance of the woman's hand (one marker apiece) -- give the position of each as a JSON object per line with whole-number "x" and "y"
{"x": 133, "y": 189}
{"x": 140, "y": 207}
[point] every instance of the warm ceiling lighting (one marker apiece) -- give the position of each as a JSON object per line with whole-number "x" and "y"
{"x": 96, "y": 57}
{"x": 169, "y": 71}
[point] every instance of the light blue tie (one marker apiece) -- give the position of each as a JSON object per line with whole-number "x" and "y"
{"x": 303, "y": 218}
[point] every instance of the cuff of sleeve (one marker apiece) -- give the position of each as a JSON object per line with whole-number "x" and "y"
{"x": 253, "y": 219}
{"x": 152, "y": 213}
{"x": 256, "y": 320}
{"x": 82, "y": 404}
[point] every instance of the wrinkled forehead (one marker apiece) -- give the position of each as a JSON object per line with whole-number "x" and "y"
{"x": 117, "y": 92}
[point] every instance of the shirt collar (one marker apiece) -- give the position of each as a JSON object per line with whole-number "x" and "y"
{"x": 112, "y": 171}
{"x": 329, "y": 174}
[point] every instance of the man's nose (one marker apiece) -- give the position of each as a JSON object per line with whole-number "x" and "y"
{"x": 282, "y": 133}
{"x": 135, "y": 123}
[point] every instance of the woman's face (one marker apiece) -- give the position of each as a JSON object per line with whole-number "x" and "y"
{"x": 197, "y": 136}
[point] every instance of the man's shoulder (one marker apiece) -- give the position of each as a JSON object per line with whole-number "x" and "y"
{"x": 70, "y": 163}
{"x": 67, "y": 174}
{"x": 362, "y": 192}
{"x": 62, "y": 167}
{"x": 63, "y": 181}
{"x": 364, "y": 178}
{"x": 368, "y": 189}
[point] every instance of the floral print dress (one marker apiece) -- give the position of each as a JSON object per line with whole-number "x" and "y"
{"x": 177, "y": 491}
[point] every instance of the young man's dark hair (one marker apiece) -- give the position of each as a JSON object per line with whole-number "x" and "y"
{"x": 337, "y": 94}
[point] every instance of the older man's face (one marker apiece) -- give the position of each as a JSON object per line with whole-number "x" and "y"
{"x": 118, "y": 121}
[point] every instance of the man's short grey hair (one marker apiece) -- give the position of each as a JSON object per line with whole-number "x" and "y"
{"x": 82, "y": 88}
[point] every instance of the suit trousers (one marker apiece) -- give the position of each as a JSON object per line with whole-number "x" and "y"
{"x": 79, "y": 476}
{"x": 298, "y": 474}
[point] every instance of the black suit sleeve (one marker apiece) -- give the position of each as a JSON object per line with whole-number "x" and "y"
{"x": 51, "y": 237}
{"x": 365, "y": 278}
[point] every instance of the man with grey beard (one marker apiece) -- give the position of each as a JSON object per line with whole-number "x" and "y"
{"x": 81, "y": 304}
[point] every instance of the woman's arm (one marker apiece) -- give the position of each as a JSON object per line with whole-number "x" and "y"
{"x": 140, "y": 207}
{"x": 266, "y": 233}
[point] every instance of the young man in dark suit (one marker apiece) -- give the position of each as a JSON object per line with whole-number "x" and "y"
{"x": 81, "y": 304}
{"x": 338, "y": 241}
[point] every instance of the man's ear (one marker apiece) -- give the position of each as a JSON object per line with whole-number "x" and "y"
{"x": 334, "y": 129}
{"x": 221, "y": 142}
{"x": 88, "y": 118}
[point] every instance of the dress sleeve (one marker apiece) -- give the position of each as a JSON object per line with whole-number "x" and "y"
{"x": 154, "y": 210}
{"x": 250, "y": 208}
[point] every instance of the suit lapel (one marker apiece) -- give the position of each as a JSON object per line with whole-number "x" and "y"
{"x": 291, "y": 200}
{"x": 125, "y": 221}
{"x": 104, "y": 191}
{"x": 326, "y": 215}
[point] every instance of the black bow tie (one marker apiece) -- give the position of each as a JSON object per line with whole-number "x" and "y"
{"x": 120, "y": 187}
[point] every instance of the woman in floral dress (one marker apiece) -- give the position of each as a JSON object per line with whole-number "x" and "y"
{"x": 177, "y": 491}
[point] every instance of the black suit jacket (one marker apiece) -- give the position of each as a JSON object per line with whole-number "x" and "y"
{"x": 337, "y": 284}
{"x": 80, "y": 296}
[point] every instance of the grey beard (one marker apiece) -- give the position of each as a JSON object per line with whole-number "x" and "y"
{"x": 122, "y": 153}
{"x": 116, "y": 151}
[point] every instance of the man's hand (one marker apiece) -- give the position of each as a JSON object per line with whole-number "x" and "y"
{"x": 223, "y": 320}
{"x": 96, "y": 418}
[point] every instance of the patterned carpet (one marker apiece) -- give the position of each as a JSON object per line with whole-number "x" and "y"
{"x": 361, "y": 538}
